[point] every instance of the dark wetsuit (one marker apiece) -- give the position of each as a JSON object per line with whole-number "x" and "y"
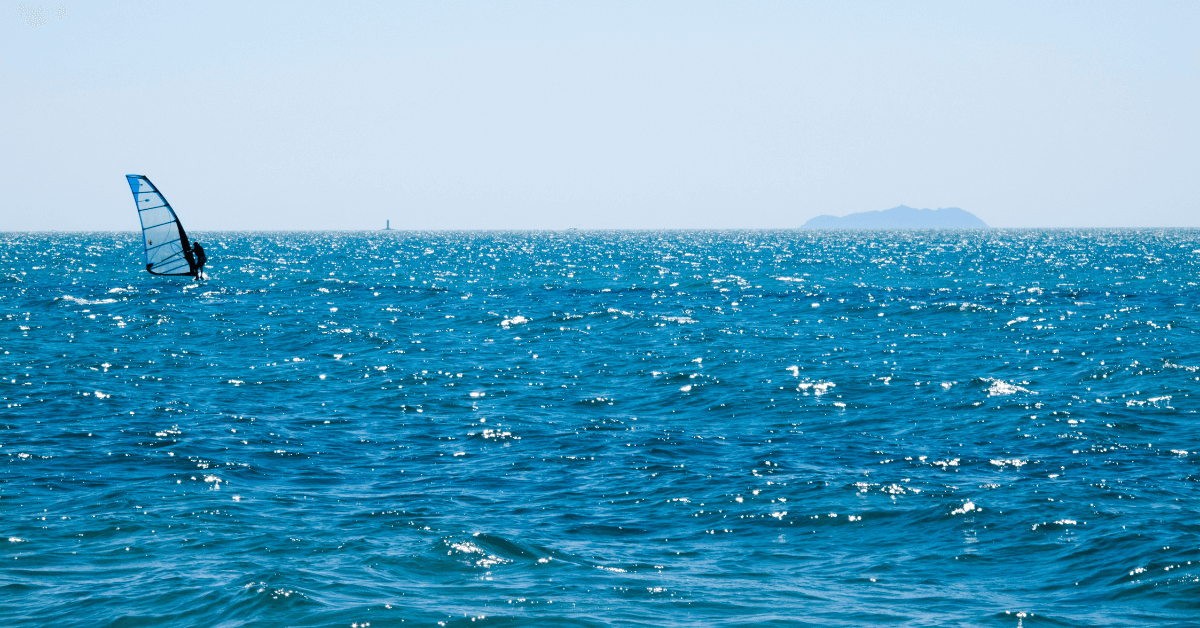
{"x": 201, "y": 258}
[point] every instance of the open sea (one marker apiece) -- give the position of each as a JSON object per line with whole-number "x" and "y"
{"x": 676, "y": 428}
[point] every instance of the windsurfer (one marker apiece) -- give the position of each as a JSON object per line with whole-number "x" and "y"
{"x": 201, "y": 258}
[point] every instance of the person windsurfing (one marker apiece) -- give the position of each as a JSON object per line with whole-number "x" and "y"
{"x": 201, "y": 258}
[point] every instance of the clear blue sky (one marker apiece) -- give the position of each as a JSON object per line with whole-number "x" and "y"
{"x": 496, "y": 115}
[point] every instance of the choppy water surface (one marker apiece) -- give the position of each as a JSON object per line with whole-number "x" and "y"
{"x": 987, "y": 428}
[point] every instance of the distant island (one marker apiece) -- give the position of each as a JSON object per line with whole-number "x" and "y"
{"x": 902, "y": 217}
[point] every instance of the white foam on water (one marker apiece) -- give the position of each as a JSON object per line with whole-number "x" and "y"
{"x": 1165, "y": 402}
{"x": 497, "y": 434}
{"x": 819, "y": 388}
{"x": 794, "y": 370}
{"x": 685, "y": 388}
{"x": 85, "y": 301}
{"x": 1190, "y": 369}
{"x": 1000, "y": 387}
{"x": 468, "y": 547}
{"x": 1014, "y": 462}
{"x": 965, "y": 508}
{"x": 516, "y": 320}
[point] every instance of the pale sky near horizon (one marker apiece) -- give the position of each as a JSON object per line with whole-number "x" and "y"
{"x": 660, "y": 114}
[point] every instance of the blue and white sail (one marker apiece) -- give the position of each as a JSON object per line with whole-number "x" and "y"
{"x": 167, "y": 249}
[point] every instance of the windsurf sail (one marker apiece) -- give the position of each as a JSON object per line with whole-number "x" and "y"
{"x": 167, "y": 249}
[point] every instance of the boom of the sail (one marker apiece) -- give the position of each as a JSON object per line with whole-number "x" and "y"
{"x": 167, "y": 249}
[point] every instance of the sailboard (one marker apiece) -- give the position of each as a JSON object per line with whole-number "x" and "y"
{"x": 167, "y": 249}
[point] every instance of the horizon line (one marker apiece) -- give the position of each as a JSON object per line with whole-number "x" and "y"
{"x": 593, "y": 229}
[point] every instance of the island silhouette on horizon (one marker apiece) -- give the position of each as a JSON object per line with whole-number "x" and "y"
{"x": 901, "y": 217}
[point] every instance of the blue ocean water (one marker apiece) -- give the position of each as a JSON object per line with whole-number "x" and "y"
{"x": 760, "y": 428}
